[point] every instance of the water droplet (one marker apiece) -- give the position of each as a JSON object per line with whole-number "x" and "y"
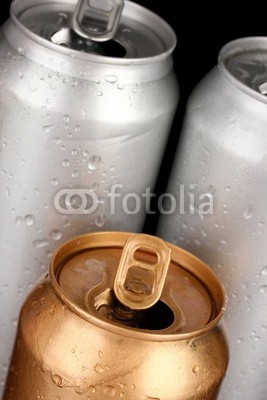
{"x": 48, "y": 101}
{"x": 93, "y": 163}
{"x": 56, "y": 234}
{"x": 109, "y": 390}
{"x": 207, "y": 152}
{"x": 66, "y": 163}
{"x": 122, "y": 395}
{"x": 14, "y": 321}
{"x": 98, "y": 368}
{"x": 263, "y": 289}
{"x": 100, "y": 354}
{"x": 57, "y": 380}
{"x": 21, "y": 50}
{"x": 92, "y": 389}
{"x": 54, "y": 182}
{"x": 264, "y": 271}
{"x": 75, "y": 174}
{"x": 34, "y": 304}
{"x": 120, "y": 86}
{"x": 21, "y": 76}
{"x": 73, "y": 351}
{"x": 66, "y": 118}
{"x": 29, "y": 219}
{"x": 248, "y": 212}
{"x": 111, "y": 78}
{"x": 40, "y": 243}
{"x": 7, "y": 190}
{"x": 195, "y": 369}
{"x": 52, "y": 309}
{"x": 100, "y": 220}
{"x": 99, "y": 94}
{"x": 18, "y": 221}
{"x": 48, "y": 128}
{"x": 151, "y": 398}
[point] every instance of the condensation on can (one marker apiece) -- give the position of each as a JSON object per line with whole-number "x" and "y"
{"x": 221, "y": 163}
{"x": 82, "y": 136}
{"x": 75, "y": 341}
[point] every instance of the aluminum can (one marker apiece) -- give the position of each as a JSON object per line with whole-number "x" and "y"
{"x": 122, "y": 316}
{"x": 82, "y": 135}
{"x": 223, "y": 155}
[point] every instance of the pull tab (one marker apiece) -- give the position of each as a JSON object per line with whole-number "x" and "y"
{"x": 138, "y": 295}
{"x": 97, "y": 20}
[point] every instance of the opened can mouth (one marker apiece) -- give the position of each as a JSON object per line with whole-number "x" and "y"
{"x": 142, "y": 36}
{"x": 244, "y": 63}
{"x": 84, "y": 270}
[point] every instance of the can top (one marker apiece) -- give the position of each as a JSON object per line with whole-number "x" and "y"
{"x": 137, "y": 285}
{"x": 245, "y": 63}
{"x": 140, "y": 34}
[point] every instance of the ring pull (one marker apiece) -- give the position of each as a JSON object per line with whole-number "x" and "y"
{"x": 132, "y": 286}
{"x": 97, "y": 20}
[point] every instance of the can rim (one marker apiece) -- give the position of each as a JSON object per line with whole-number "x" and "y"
{"x": 172, "y": 40}
{"x": 118, "y": 240}
{"x": 238, "y": 46}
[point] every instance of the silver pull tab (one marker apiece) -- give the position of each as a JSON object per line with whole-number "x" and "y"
{"x": 97, "y": 20}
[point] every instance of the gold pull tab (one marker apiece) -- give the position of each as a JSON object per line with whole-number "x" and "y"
{"x": 130, "y": 286}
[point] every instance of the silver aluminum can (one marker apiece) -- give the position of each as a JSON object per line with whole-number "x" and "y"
{"x": 223, "y": 154}
{"x": 75, "y": 121}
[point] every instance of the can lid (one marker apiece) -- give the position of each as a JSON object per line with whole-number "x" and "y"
{"x": 245, "y": 62}
{"x": 137, "y": 33}
{"x": 138, "y": 285}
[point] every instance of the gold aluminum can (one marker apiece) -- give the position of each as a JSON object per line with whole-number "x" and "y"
{"x": 123, "y": 316}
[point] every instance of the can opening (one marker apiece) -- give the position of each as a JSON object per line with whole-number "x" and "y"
{"x": 158, "y": 317}
{"x": 68, "y": 38}
{"x": 140, "y": 34}
{"x": 93, "y": 276}
{"x": 245, "y": 63}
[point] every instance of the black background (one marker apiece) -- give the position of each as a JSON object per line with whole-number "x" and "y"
{"x": 201, "y": 30}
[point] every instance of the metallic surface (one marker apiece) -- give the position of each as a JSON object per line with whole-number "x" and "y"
{"x": 223, "y": 151}
{"x": 72, "y": 124}
{"x": 66, "y": 349}
{"x": 140, "y": 296}
{"x": 141, "y": 33}
{"x": 97, "y": 19}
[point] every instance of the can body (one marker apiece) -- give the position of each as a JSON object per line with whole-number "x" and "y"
{"x": 222, "y": 155}
{"x": 63, "y": 351}
{"x": 72, "y": 129}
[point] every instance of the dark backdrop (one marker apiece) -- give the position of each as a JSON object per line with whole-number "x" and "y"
{"x": 201, "y": 31}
